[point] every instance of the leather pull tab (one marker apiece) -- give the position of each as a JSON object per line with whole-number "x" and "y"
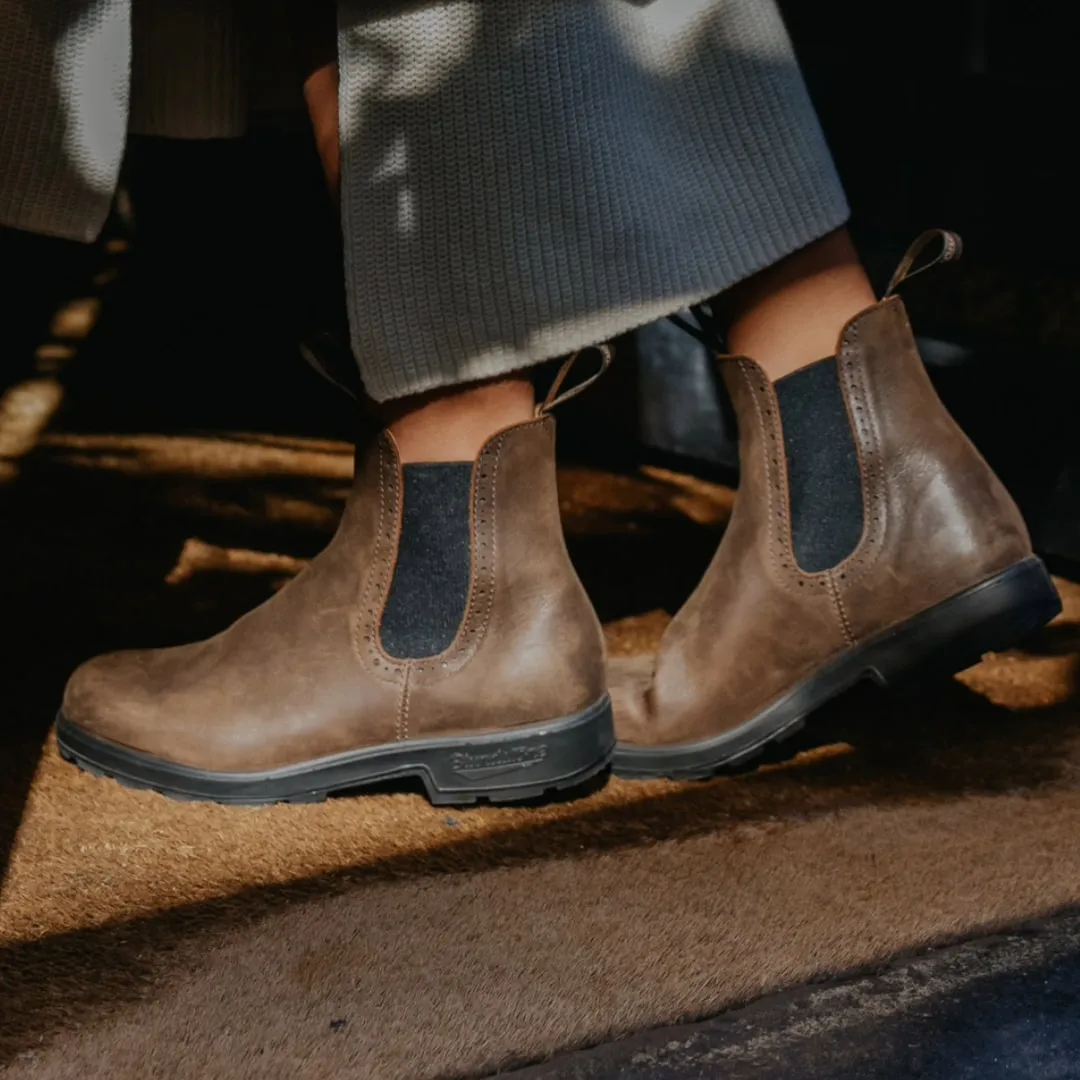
{"x": 555, "y": 398}
{"x": 952, "y": 247}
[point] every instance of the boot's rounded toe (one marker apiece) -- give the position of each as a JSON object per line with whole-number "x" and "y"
{"x": 105, "y": 699}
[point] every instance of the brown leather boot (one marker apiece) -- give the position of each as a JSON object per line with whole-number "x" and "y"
{"x": 503, "y": 698}
{"x": 877, "y": 542}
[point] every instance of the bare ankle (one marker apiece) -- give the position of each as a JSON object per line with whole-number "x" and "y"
{"x": 791, "y": 314}
{"x": 453, "y": 425}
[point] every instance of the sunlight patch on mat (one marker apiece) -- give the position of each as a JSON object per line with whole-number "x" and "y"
{"x": 592, "y": 500}
{"x": 702, "y": 502}
{"x": 1015, "y": 680}
{"x": 636, "y": 634}
{"x": 214, "y": 457}
{"x": 1042, "y": 674}
{"x": 321, "y": 511}
{"x": 25, "y": 412}
{"x": 28, "y": 407}
{"x": 198, "y": 557}
{"x": 75, "y": 320}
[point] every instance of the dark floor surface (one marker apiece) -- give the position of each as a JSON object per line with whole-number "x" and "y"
{"x": 1003, "y": 1007}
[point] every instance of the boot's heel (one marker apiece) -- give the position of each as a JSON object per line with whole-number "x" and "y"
{"x": 520, "y": 764}
{"x": 958, "y": 632}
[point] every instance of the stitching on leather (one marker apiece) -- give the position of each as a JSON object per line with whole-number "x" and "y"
{"x": 475, "y": 626}
{"x": 838, "y": 606}
{"x": 750, "y": 382}
{"x": 478, "y": 616}
{"x": 787, "y": 570}
{"x": 866, "y": 465}
{"x": 365, "y": 643}
{"x": 486, "y": 572}
{"x": 403, "y": 711}
{"x": 874, "y": 502}
{"x": 360, "y": 639}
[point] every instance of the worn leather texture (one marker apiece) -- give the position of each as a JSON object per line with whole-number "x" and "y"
{"x": 936, "y": 522}
{"x": 304, "y": 675}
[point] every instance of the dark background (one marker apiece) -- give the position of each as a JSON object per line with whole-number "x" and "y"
{"x": 963, "y": 115}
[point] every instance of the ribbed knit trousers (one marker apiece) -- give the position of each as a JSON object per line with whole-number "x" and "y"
{"x": 520, "y": 178}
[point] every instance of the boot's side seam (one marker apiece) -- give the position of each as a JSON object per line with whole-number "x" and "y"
{"x": 767, "y": 456}
{"x": 868, "y": 451}
{"x": 838, "y": 606}
{"x": 365, "y": 635}
{"x": 785, "y": 568}
{"x": 484, "y": 541}
{"x": 403, "y": 709}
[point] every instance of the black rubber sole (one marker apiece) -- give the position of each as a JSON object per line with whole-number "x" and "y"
{"x": 525, "y": 763}
{"x": 942, "y": 640}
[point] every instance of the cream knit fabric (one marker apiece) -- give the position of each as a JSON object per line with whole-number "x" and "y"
{"x": 520, "y": 177}
{"x": 64, "y": 68}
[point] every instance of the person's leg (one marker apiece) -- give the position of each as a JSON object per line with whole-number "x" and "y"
{"x": 869, "y": 537}
{"x": 443, "y": 634}
{"x": 520, "y": 181}
{"x": 451, "y": 424}
{"x": 791, "y": 313}
{"x": 321, "y": 96}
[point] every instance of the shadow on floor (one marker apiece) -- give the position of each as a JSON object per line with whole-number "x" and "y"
{"x": 1005, "y": 1006}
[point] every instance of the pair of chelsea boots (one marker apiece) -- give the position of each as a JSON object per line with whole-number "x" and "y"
{"x": 444, "y": 634}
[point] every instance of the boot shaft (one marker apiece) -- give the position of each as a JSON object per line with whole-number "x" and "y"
{"x": 526, "y": 641}
{"x": 301, "y": 695}
{"x": 932, "y": 515}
